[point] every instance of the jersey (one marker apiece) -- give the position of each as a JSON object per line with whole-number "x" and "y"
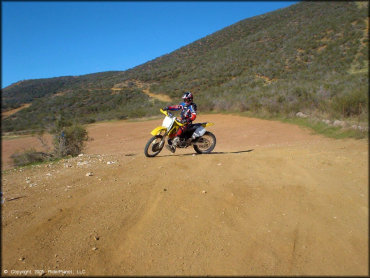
{"x": 188, "y": 111}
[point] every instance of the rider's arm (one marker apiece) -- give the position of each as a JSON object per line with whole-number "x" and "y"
{"x": 175, "y": 107}
{"x": 193, "y": 114}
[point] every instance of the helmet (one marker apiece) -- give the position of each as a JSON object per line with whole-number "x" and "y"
{"x": 188, "y": 97}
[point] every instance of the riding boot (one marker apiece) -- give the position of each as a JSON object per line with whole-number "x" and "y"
{"x": 175, "y": 141}
{"x": 171, "y": 148}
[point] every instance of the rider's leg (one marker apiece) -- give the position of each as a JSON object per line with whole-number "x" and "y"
{"x": 180, "y": 131}
{"x": 176, "y": 140}
{"x": 170, "y": 138}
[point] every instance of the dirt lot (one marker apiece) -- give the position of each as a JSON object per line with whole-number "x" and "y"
{"x": 272, "y": 199}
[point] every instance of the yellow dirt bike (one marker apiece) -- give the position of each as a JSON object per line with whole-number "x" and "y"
{"x": 195, "y": 135}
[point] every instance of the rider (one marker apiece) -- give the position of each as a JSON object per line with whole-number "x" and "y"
{"x": 188, "y": 115}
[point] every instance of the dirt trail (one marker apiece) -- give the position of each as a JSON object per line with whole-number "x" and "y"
{"x": 13, "y": 111}
{"x": 143, "y": 86}
{"x": 272, "y": 200}
{"x": 160, "y": 97}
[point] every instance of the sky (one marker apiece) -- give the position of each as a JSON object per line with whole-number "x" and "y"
{"x": 51, "y": 39}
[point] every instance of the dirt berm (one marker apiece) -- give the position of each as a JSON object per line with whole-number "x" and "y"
{"x": 272, "y": 199}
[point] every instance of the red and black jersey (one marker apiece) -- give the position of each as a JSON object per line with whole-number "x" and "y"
{"x": 188, "y": 113}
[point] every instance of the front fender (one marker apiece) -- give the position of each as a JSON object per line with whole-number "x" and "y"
{"x": 158, "y": 130}
{"x": 207, "y": 124}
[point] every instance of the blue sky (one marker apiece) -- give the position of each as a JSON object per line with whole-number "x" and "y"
{"x": 50, "y": 39}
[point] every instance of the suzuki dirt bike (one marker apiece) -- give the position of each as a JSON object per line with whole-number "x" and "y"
{"x": 195, "y": 135}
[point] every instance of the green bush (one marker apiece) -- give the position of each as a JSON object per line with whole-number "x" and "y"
{"x": 69, "y": 140}
{"x": 352, "y": 103}
{"x": 30, "y": 156}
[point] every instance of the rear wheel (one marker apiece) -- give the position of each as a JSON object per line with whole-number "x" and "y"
{"x": 205, "y": 144}
{"x": 154, "y": 146}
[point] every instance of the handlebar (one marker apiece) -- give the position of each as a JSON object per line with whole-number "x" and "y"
{"x": 163, "y": 112}
{"x": 169, "y": 114}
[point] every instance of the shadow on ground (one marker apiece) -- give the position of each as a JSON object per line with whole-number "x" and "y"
{"x": 187, "y": 154}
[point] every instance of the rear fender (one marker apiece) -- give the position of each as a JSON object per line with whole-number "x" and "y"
{"x": 158, "y": 130}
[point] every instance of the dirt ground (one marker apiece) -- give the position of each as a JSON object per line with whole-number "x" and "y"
{"x": 272, "y": 199}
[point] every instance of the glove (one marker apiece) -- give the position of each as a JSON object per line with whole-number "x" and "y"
{"x": 165, "y": 109}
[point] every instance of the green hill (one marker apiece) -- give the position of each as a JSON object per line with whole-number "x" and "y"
{"x": 310, "y": 57}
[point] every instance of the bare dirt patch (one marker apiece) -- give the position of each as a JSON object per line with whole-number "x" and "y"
{"x": 160, "y": 97}
{"x": 143, "y": 86}
{"x": 321, "y": 48}
{"x": 13, "y": 111}
{"x": 272, "y": 199}
{"x": 266, "y": 78}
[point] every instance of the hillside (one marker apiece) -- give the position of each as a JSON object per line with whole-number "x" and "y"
{"x": 310, "y": 57}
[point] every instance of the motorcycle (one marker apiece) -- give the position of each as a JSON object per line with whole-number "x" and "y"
{"x": 195, "y": 135}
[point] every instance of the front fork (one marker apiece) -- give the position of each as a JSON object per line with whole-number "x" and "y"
{"x": 163, "y": 139}
{"x": 164, "y": 135}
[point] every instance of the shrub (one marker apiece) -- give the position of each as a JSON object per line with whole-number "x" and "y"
{"x": 350, "y": 104}
{"x": 29, "y": 157}
{"x": 69, "y": 140}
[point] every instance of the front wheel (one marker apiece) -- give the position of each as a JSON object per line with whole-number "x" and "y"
{"x": 205, "y": 144}
{"x": 154, "y": 146}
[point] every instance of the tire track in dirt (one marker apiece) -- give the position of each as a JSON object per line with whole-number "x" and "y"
{"x": 272, "y": 200}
